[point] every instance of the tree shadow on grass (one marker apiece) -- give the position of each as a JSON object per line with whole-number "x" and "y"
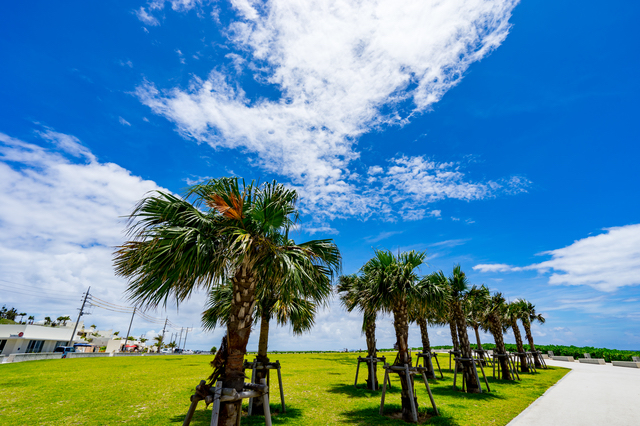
{"x": 202, "y": 416}
{"x": 360, "y": 392}
{"x": 392, "y": 416}
{"x": 450, "y": 392}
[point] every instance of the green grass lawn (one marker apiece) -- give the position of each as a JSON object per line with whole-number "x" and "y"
{"x": 319, "y": 390}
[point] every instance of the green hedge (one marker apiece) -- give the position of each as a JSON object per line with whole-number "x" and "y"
{"x": 574, "y": 351}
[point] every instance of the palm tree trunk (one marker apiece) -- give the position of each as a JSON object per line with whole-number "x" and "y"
{"x": 465, "y": 347}
{"x": 496, "y": 330}
{"x": 262, "y": 358}
{"x": 238, "y": 331}
{"x": 527, "y": 331}
{"x": 480, "y": 353}
{"x": 370, "y": 335}
{"x": 401, "y": 325}
{"x": 426, "y": 346}
{"x": 454, "y": 334}
{"x": 523, "y": 358}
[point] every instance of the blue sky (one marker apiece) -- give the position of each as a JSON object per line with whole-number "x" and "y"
{"x": 495, "y": 134}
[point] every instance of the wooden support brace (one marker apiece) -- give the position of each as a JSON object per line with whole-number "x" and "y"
{"x": 414, "y": 411}
{"x": 384, "y": 387}
{"x": 215, "y": 411}
{"x": 284, "y": 410}
{"x": 433, "y": 402}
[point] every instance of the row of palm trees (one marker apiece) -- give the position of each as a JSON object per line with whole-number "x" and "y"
{"x": 231, "y": 239}
{"x": 390, "y": 283}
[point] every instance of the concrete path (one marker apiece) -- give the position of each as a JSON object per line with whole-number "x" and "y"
{"x": 588, "y": 395}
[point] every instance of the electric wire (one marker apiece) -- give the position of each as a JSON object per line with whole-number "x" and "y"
{"x": 41, "y": 295}
{"x": 38, "y": 288}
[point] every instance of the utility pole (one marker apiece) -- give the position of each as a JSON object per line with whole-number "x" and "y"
{"x": 75, "y": 328}
{"x": 186, "y": 333}
{"x": 163, "y": 329}
{"x": 127, "y": 338}
{"x": 180, "y": 341}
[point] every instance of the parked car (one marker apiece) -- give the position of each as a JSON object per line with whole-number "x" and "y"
{"x": 65, "y": 350}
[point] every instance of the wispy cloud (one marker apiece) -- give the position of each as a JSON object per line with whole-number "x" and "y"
{"x": 146, "y": 18}
{"x": 450, "y": 243}
{"x": 342, "y": 71}
{"x": 382, "y": 236}
{"x": 605, "y": 262}
{"x": 123, "y": 121}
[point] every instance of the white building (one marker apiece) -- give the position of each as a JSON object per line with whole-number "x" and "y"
{"x": 32, "y": 338}
{"x": 35, "y": 338}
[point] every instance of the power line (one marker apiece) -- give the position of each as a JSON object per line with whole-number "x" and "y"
{"x": 38, "y": 288}
{"x": 38, "y": 294}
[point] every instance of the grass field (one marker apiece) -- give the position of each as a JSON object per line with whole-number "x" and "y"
{"x": 318, "y": 388}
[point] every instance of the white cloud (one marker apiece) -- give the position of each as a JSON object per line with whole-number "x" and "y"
{"x": 382, "y": 236}
{"x": 605, "y": 262}
{"x": 67, "y": 143}
{"x": 343, "y": 70}
{"x": 493, "y": 267}
{"x": 158, "y": 5}
{"x": 123, "y": 121}
{"x": 60, "y": 221}
{"x": 146, "y": 18}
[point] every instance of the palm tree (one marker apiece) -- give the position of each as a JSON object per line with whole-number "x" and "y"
{"x": 63, "y": 319}
{"x": 394, "y": 287}
{"x": 31, "y": 319}
{"x": 495, "y": 312}
{"x": 513, "y": 312}
{"x": 158, "y": 341}
{"x": 22, "y": 316}
{"x": 172, "y": 345}
{"x": 354, "y": 295}
{"x": 475, "y": 308}
{"x": 230, "y": 231}
{"x": 47, "y": 320}
{"x": 529, "y": 315}
{"x": 299, "y": 312}
{"x": 458, "y": 286}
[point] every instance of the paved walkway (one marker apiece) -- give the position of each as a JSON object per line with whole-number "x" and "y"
{"x": 588, "y": 395}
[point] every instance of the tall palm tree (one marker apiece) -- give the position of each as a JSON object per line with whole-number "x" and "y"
{"x": 354, "y": 295}
{"x": 458, "y": 286}
{"x": 31, "y": 319}
{"x": 513, "y": 312}
{"x": 494, "y": 314}
{"x": 395, "y": 286}
{"x": 22, "y": 315}
{"x": 229, "y": 231}
{"x": 475, "y": 308}
{"x": 529, "y": 315}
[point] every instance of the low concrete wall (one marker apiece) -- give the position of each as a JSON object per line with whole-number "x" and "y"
{"x": 86, "y": 355}
{"x": 32, "y": 357}
{"x": 598, "y": 361}
{"x": 127, "y": 354}
{"x": 563, "y": 358}
{"x": 629, "y": 364}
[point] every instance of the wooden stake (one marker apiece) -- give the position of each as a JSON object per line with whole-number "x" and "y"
{"x": 215, "y": 411}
